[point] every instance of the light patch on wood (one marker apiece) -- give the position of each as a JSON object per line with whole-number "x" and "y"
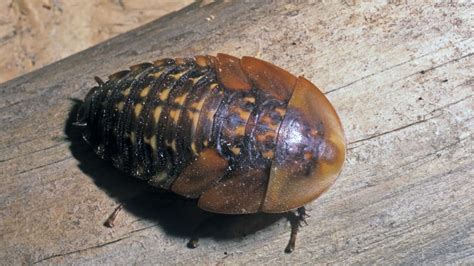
{"x": 205, "y": 143}
{"x": 157, "y": 113}
{"x": 145, "y": 91}
{"x": 164, "y": 94}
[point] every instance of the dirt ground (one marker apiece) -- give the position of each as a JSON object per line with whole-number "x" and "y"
{"x": 34, "y": 33}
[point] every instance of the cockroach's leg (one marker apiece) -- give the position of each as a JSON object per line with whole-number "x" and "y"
{"x": 204, "y": 226}
{"x": 193, "y": 242}
{"x": 295, "y": 218}
{"x": 111, "y": 220}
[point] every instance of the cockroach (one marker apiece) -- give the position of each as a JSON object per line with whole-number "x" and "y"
{"x": 240, "y": 136}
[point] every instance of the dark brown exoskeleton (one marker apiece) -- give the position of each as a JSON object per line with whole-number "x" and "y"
{"x": 241, "y": 135}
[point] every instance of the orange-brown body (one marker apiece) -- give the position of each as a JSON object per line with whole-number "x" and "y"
{"x": 240, "y": 135}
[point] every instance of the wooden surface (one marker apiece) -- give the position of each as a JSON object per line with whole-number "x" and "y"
{"x": 400, "y": 76}
{"x": 35, "y": 33}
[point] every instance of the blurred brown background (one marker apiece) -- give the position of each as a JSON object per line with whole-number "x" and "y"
{"x": 34, "y": 33}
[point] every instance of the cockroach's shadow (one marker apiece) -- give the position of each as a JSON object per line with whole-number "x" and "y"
{"x": 178, "y": 216}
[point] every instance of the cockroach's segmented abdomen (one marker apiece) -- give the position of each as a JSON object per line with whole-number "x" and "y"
{"x": 242, "y": 135}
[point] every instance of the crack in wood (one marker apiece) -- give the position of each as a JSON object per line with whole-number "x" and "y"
{"x": 80, "y": 250}
{"x": 449, "y": 105}
{"x": 375, "y": 73}
{"x": 45, "y": 165}
{"x": 32, "y": 152}
{"x": 422, "y": 72}
{"x": 393, "y": 130}
{"x": 436, "y": 151}
{"x": 400, "y": 64}
{"x": 53, "y": 133}
{"x": 411, "y": 124}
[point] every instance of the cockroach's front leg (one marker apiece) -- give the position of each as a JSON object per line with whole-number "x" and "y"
{"x": 111, "y": 220}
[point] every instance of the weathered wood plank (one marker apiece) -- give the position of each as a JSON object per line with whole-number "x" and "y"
{"x": 400, "y": 76}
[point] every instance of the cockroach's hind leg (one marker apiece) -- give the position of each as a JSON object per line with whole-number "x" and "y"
{"x": 193, "y": 242}
{"x": 296, "y": 219}
{"x": 204, "y": 226}
{"x": 111, "y": 220}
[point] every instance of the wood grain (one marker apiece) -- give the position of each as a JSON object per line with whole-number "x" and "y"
{"x": 400, "y": 76}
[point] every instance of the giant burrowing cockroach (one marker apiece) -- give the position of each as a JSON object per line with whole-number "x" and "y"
{"x": 240, "y": 135}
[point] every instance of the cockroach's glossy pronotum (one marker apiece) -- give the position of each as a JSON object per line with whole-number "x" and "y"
{"x": 240, "y": 135}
